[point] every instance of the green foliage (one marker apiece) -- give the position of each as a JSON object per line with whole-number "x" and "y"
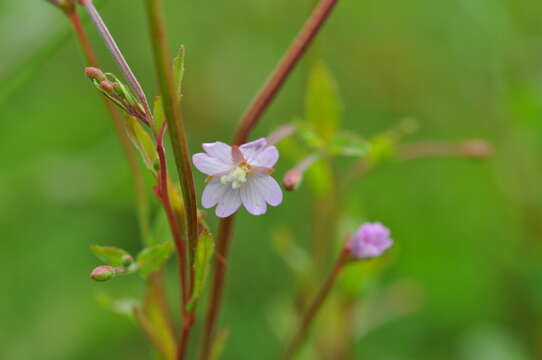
{"x": 322, "y": 105}
{"x": 219, "y": 344}
{"x": 142, "y": 142}
{"x": 110, "y": 255}
{"x": 151, "y": 259}
{"x": 348, "y": 144}
{"x": 204, "y": 253}
{"x": 124, "y": 306}
{"x": 159, "y": 117}
{"x": 178, "y": 71}
{"x": 320, "y": 178}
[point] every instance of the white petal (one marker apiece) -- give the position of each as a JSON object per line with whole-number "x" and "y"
{"x": 229, "y": 203}
{"x": 268, "y": 188}
{"x": 213, "y": 193}
{"x": 251, "y": 149}
{"x": 268, "y": 157}
{"x": 210, "y": 165}
{"x": 219, "y": 150}
{"x": 253, "y": 199}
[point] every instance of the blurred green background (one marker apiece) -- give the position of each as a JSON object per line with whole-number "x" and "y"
{"x": 468, "y": 232}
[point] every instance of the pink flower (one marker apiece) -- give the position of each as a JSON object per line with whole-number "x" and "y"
{"x": 371, "y": 240}
{"x": 239, "y": 175}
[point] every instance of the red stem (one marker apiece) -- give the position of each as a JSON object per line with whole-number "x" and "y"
{"x": 215, "y": 301}
{"x": 163, "y": 194}
{"x": 249, "y": 119}
{"x": 315, "y": 306}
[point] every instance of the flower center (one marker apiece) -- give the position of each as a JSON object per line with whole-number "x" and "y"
{"x": 237, "y": 176}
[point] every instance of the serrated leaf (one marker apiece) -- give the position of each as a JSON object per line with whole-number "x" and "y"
{"x": 110, "y": 255}
{"x": 142, "y": 142}
{"x": 153, "y": 258}
{"x": 178, "y": 71}
{"x": 159, "y": 117}
{"x": 323, "y": 107}
{"x": 204, "y": 253}
{"x": 320, "y": 178}
{"x": 348, "y": 144}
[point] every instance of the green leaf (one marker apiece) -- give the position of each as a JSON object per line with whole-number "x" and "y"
{"x": 124, "y": 307}
{"x": 178, "y": 71}
{"x": 143, "y": 143}
{"x": 219, "y": 344}
{"x": 310, "y": 136}
{"x": 110, "y": 255}
{"x": 204, "y": 253}
{"x": 382, "y": 148}
{"x": 323, "y": 107}
{"x": 153, "y": 258}
{"x": 348, "y": 144}
{"x": 320, "y": 178}
{"x": 159, "y": 117}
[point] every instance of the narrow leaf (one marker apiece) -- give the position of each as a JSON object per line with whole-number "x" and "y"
{"x": 159, "y": 117}
{"x": 348, "y": 144}
{"x": 204, "y": 252}
{"x": 322, "y": 105}
{"x": 110, "y": 255}
{"x": 142, "y": 142}
{"x": 178, "y": 71}
{"x": 219, "y": 344}
{"x": 153, "y": 258}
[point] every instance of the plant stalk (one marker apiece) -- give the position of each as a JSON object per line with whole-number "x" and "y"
{"x": 315, "y": 306}
{"x": 249, "y": 119}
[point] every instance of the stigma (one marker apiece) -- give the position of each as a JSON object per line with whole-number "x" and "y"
{"x": 237, "y": 176}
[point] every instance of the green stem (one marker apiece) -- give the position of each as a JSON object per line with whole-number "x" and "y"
{"x": 315, "y": 306}
{"x": 179, "y": 143}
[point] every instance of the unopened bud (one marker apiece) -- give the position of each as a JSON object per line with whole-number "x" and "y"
{"x": 477, "y": 148}
{"x": 102, "y": 273}
{"x": 126, "y": 260}
{"x": 107, "y": 86}
{"x": 95, "y": 74}
{"x": 292, "y": 179}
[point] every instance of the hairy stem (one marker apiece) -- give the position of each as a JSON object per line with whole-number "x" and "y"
{"x": 315, "y": 306}
{"x": 179, "y": 143}
{"x": 117, "y": 55}
{"x": 251, "y": 116}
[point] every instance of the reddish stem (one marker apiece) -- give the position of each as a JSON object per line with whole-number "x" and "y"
{"x": 315, "y": 306}
{"x": 219, "y": 274}
{"x": 163, "y": 194}
{"x": 251, "y": 116}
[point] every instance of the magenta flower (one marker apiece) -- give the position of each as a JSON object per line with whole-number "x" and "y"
{"x": 239, "y": 175}
{"x": 369, "y": 241}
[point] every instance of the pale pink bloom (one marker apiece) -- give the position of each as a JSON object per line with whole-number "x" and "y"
{"x": 239, "y": 175}
{"x": 370, "y": 240}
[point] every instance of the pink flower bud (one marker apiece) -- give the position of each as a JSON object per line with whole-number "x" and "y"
{"x": 102, "y": 273}
{"x": 95, "y": 74}
{"x": 107, "y": 86}
{"x": 477, "y": 148}
{"x": 292, "y": 179}
{"x": 126, "y": 260}
{"x": 369, "y": 241}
